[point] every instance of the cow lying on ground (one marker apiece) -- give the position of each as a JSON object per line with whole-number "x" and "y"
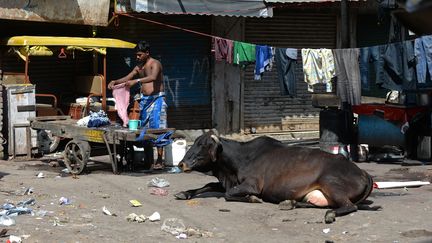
{"x": 266, "y": 169}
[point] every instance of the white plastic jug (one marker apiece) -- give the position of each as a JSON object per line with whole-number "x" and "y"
{"x": 175, "y": 152}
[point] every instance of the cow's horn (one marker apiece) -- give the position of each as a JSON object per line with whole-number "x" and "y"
{"x": 216, "y": 139}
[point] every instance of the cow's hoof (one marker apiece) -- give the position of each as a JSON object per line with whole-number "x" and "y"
{"x": 182, "y": 196}
{"x": 287, "y": 205}
{"x": 330, "y": 217}
{"x": 254, "y": 199}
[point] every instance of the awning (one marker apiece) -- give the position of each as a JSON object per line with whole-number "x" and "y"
{"x": 25, "y": 46}
{"x": 66, "y": 41}
{"x": 309, "y": 1}
{"x": 237, "y": 8}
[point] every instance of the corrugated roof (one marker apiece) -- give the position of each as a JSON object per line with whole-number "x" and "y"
{"x": 308, "y": 1}
{"x": 236, "y": 8}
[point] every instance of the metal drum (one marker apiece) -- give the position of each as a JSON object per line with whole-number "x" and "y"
{"x": 376, "y": 131}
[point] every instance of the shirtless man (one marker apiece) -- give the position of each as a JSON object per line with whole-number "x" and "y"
{"x": 152, "y": 103}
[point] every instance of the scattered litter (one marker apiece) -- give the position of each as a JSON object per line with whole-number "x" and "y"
{"x": 173, "y": 226}
{"x": 28, "y": 191}
{"x": 174, "y": 170}
{"x": 158, "y": 191}
{"x": 65, "y": 170}
{"x": 25, "y": 237}
{"x": 14, "y": 239}
{"x": 6, "y": 221}
{"x": 40, "y": 175}
{"x": 399, "y": 184}
{"x": 64, "y": 201}
{"x": 135, "y": 203}
{"x": 8, "y": 206}
{"x": 56, "y": 222}
{"x": 326, "y": 230}
{"x": 154, "y": 217}
{"x": 192, "y": 202}
{"x": 53, "y": 163}
{"x": 30, "y": 201}
{"x": 134, "y": 217}
{"x": 190, "y": 231}
{"x": 181, "y": 236}
{"x": 107, "y": 212}
{"x": 16, "y": 211}
{"x": 158, "y": 182}
{"x": 41, "y": 213}
{"x": 3, "y": 232}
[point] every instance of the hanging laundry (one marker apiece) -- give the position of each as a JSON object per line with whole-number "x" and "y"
{"x": 423, "y": 53}
{"x": 121, "y": 94}
{"x": 399, "y": 66}
{"x": 264, "y": 59}
{"x": 318, "y": 67}
{"x": 286, "y": 62}
{"x": 244, "y": 53}
{"x": 223, "y": 49}
{"x": 348, "y": 75}
{"x": 371, "y": 62}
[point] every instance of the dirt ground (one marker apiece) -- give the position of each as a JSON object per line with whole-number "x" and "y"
{"x": 406, "y": 214}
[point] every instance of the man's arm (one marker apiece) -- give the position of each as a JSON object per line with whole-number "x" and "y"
{"x": 124, "y": 79}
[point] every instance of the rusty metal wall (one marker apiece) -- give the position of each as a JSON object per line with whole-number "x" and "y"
{"x": 84, "y": 12}
{"x": 185, "y": 58}
{"x": 264, "y": 106}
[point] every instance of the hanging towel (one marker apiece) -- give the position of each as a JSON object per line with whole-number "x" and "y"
{"x": 286, "y": 62}
{"x": 348, "y": 75}
{"x": 263, "y": 56}
{"x": 244, "y": 53}
{"x": 423, "y": 53}
{"x": 318, "y": 67}
{"x": 223, "y": 49}
{"x": 121, "y": 95}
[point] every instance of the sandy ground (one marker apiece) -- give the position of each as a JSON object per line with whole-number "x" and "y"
{"x": 406, "y": 214}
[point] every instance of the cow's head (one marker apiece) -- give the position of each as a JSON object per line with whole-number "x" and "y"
{"x": 202, "y": 155}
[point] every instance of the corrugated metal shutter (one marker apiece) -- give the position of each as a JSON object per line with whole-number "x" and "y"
{"x": 264, "y": 106}
{"x": 185, "y": 58}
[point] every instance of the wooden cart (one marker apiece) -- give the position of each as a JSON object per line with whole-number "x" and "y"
{"x": 77, "y": 151}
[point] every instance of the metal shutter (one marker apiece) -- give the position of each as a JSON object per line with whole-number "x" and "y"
{"x": 264, "y": 106}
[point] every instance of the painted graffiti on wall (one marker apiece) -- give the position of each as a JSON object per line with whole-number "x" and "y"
{"x": 193, "y": 90}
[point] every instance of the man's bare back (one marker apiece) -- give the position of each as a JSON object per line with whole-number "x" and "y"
{"x": 151, "y": 88}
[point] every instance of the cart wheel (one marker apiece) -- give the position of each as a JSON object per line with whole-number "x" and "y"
{"x": 76, "y": 155}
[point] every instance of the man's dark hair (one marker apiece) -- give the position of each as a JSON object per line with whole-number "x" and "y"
{"x": 142, "y": 46}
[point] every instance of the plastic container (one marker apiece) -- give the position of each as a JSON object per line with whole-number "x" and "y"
{"x": 175, "y": 152}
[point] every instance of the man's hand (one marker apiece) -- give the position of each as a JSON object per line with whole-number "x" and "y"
{"x": 111, "y": 84}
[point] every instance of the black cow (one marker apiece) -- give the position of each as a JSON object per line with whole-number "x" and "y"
{"x": 266, "y": 169}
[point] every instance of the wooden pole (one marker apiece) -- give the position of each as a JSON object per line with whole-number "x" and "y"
{"x": 104, "y": 86}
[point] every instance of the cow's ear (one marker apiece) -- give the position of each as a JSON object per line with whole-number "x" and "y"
{"x": 214, "y": 148}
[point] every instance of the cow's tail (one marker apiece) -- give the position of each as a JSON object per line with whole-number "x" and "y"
{"x": 368, "y": 189}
